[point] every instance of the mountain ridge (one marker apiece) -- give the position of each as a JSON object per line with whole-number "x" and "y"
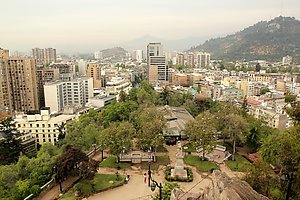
{"x": 264, "y": 40}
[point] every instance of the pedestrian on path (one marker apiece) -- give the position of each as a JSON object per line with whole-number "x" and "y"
{"x": 145, "y": 178}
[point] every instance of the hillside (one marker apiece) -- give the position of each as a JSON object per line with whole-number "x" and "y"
{"x": 265, "y": 40}
{"x": 114, "y": 53}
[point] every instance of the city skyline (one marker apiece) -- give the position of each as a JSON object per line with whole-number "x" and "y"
{"x": 87, "y": 26}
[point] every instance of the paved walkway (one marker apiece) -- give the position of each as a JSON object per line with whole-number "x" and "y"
{"x": 53, "y": 193}
{"x": 135, "y": 189}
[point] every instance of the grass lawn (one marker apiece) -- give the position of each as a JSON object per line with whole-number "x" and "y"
{"x": 202, "y": 166}
{"x": 97, "y": 184}
{"x": 161, "y": 149}
{"x": 188, "y": 148}
{"x": 111, "y": 163}
{"x": 68, "y": 195}
{"x": 102, "y": 181}
{"x": 160, "y": 160}
{"x": 240, "y": 164}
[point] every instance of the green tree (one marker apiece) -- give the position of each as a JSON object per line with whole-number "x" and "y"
{"x": 294, "y": 112}
{"x": 289, "y": 98}
{"x": 237, "y": 128}
{"x": 283, "y": 150}
{"x": 149, "y": 123}
{"x": 117, "y": 137}
{"x": 10, "y": 146}
{"x": 166, "y": 190}
{"x": 122, "y": 96}
{"x": 201, "y": 131}
{"x": 264, "y": 90}
{"x": 257, "y": 67}
{"x": 261, "y": 177}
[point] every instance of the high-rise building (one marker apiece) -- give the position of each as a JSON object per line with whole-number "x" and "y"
{"x": 203, "y": 59}
{"x": 18, "y": 85}
{"x": 39, "y": 55}
{"x": 44, "y": 56}
{"x": 50, "y": 55}
{"x": 157, "y": 68}
{"x": 191, "y": 60}
{"x": 98, "y": 55}
{"x": 94, "y": 71}
{"x": 137, "y": 55}
{"x": 82, "y": 67}
{"x": 75, "y": 93}
{"x": 180, "y": 59}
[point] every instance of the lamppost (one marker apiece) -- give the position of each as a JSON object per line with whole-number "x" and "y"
{"x": 153, "y": 186}
{"x": 57, "y": 177}
{"x": 149, "y": 173}
{"x": 287, "y": 178}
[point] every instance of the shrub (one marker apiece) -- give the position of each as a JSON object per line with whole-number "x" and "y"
{"x": 170, "y": 178}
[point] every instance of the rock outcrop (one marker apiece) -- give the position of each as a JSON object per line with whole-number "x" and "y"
{"x": 225, "y": 188}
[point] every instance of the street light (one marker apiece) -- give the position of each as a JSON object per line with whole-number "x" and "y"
{"x": 149, "y": 173}
{"x": 287, "y": 179}
{"x": 154, "y": 184}
{"x": 57, "y": 177}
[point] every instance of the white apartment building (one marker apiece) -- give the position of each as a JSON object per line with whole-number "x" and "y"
{"x": 82, "y": 65}
{"x": 43, "y": 126}
{"x": 117, "y": 84}
{"x": 72, "y": 93}
{"x": 202, "y": 59}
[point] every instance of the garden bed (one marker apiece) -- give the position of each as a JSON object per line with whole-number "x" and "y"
{"x": 111, "y": 162}
{"x": 160, "y": 160}
{"x": 99, "y": 183}
{"x": 202, "y": 166}
{"x": 170, "y": 178}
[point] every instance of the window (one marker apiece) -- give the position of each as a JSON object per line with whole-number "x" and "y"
{"x": 43, "y": 125}
{"x": 49, "y": 125}
{"x": 49, "y": 135}
{"x": 36, "y": 131}
{"x": 36, "y": 135}
{"x": 30, "y": 125}
{"x": 44, "y": 140}
{"x": 37, "y": 125}
{"x": 43, "y": 135}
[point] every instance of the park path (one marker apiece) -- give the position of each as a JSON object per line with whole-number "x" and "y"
{"x": 200, "y": 181}
{"x": 136, "y": 189}
{"x": 54, "y": 192}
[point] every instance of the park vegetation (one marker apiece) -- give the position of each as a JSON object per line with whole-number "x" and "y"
{"x": 135, "y": 122}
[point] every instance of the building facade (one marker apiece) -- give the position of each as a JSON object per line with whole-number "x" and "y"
{"x": 18, "y": 84}
{"x": 43, "y": 126}
{"x": 156, "y": 61}
{"x": 75, "y": 93}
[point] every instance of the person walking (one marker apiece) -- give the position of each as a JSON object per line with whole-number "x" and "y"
{"x": 145, "y": 178}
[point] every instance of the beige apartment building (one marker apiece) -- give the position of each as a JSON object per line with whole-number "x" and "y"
{"x": 180, "y": 59}
{"x": 44, "y": 56}
{"x": 191, "y": 60}
{"x": 94, "y": 71}
{"x": 18, "y": 84}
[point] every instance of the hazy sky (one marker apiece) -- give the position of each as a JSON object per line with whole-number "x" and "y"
{"x": 88, "y": 25}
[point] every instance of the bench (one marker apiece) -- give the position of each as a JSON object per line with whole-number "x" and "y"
{"x": 220, "y": 148}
